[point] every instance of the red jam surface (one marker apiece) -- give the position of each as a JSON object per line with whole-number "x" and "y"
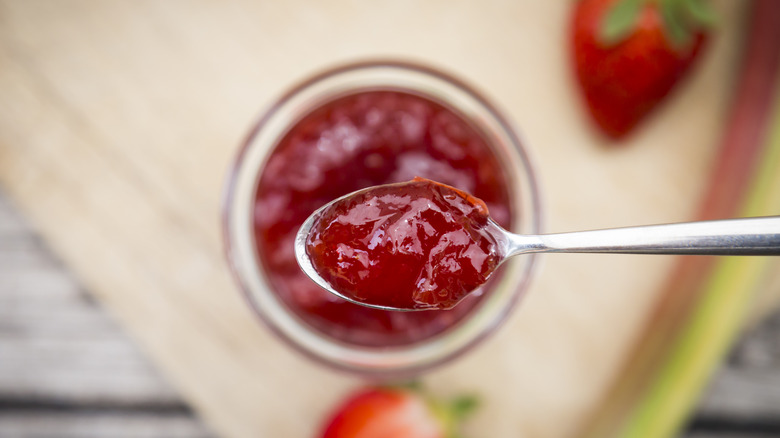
{"x": 353, "y": 142}
{"x": 414, "y": 245}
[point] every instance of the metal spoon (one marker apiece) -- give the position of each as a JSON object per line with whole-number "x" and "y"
{"x": 747, "y": 236}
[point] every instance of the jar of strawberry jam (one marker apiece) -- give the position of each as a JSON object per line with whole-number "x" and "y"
{"x": 349, "y": 128}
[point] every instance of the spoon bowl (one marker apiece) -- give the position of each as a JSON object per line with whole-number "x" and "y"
{"x": 304, "y": 261}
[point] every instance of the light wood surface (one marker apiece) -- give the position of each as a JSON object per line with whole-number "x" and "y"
{"x": 118, "y": 121}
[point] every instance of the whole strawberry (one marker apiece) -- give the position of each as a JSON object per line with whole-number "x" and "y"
{"x": 629, "y": 54}
{"x": 395, "y": 412}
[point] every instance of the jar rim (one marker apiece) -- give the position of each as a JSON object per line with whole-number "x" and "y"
{"x": 238, "y": 204}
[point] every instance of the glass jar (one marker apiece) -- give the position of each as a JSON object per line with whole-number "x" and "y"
{"x": 250, "y": 264}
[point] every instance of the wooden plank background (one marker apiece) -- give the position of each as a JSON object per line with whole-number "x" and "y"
{"x": 118, "y": 121}
{"x": 66, "y": 368}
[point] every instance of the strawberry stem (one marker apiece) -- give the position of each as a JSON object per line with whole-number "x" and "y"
{"x": 682, "y": 20}
{"x": 463, "y": 406}
{"x": 620, "y": 21}
{"x": 453, "y": 413}
{"x": 700, "y": 12}
{"x": 450, "y": 413}
{"x": 678, "y": 31}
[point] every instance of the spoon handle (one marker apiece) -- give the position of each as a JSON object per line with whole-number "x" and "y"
{"x": 749, "y": 236}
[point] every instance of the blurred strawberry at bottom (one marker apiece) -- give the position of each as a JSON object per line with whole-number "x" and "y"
{"x": 396, "y": 412}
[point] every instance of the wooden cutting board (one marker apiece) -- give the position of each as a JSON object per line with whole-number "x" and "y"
{"x": 119, "y": 120}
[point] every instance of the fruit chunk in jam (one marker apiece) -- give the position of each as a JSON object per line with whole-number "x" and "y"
{"x": 414, "y": 245}
{"x": 366, "y": 139}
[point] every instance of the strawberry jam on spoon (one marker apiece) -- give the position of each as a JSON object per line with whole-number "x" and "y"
{"x": 425, "y": 245}
{"x": 413, "y": 245}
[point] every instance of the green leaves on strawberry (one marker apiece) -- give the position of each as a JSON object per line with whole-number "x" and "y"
{"x": 396, "y": 412}
{"x": 629, "y": 54}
